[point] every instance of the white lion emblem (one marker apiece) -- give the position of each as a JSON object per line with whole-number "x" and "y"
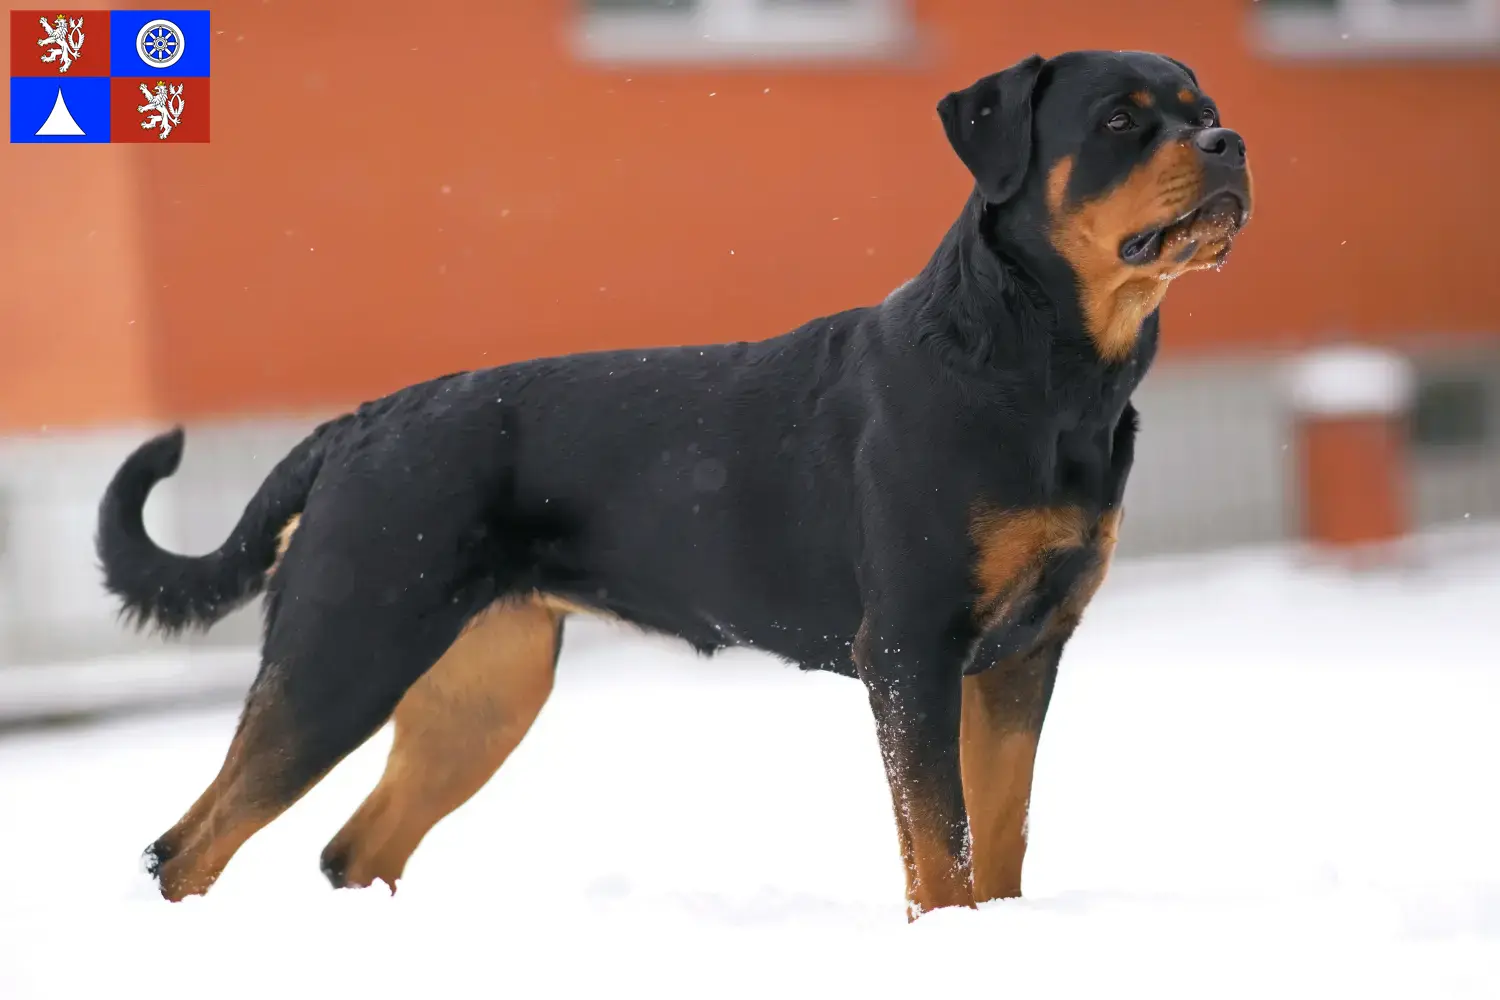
{"x": 66, "y": 36}
{"x": 167, "y": 102}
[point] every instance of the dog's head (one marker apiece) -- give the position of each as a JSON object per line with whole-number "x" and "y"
{"x": 1116, "y": 164}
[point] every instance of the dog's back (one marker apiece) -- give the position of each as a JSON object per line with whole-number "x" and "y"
{"x": 522, "y": 464}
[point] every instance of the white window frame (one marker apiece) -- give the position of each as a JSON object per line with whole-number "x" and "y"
{"x": 730, "y": 31}
{"x": 1373, "y": 29}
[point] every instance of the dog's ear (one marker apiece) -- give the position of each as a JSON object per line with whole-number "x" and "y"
{"x": 989, "y": 127}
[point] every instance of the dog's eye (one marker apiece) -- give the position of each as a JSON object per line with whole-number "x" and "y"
{"x": 1121, "y": 122}
{"x": 1209, "y": 118}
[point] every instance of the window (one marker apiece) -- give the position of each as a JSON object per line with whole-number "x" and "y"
{"x": 1379, "y": 28}
{"x": 1451, "y": 413}
{"x": 718, "y": 31}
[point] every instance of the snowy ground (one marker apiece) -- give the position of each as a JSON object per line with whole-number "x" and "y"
{"x": 1256, "y": 781}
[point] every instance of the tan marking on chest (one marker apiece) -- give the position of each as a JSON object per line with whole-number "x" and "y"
{"x": 1012, "y": 544}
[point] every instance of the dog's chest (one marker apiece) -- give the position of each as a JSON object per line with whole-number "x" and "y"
{"x": 1051, "y": 542}
{"x": 1080, "y": 450}
{"x": 1080, "y": 469}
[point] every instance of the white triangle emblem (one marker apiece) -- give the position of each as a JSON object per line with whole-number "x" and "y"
{"x": 60, "y": 121}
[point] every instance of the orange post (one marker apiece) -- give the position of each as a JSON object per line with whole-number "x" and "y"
{"x": 1350, "y": 407}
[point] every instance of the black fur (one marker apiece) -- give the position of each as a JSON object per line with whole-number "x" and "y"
{"x": 989, "y": 127}
{"x": 174, "y": 593}
{"x": 812, "y": 495}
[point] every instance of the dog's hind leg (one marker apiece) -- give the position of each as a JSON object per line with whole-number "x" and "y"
{"x": 453, "y": 731}
{"x": 330, "y": 677}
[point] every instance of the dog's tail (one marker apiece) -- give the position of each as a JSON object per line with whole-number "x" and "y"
{"x": 172, "y": 592}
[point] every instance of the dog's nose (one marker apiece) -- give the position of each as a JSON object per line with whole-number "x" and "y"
{"x": 1221, "y": 145}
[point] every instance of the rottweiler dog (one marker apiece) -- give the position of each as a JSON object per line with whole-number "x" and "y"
{"x": 922, "y": 494}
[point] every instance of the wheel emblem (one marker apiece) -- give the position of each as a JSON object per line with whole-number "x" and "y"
{"x": 160, "y": 43}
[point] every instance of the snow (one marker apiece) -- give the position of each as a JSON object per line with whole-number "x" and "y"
{"x": 1259, "y": 778}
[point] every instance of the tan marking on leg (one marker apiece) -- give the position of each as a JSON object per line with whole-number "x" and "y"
{"x": 936, "y": 875}
{"x": 209, "y": 850}
{"x": 453, "y": 730}
{"x": 241, "y": 799}
{"x": 998, "y": 753}
{"x": 937, "y": 868}
{"x": 935, "y": 878}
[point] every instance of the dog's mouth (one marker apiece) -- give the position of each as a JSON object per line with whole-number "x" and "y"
{"x": 1218, "y": 217}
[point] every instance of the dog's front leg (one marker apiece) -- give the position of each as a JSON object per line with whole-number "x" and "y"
{"x": 914, "y": 679}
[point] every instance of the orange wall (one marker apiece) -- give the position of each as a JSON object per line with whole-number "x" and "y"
{"x": 74, "y": 326}
{"x": 381, "y": 204}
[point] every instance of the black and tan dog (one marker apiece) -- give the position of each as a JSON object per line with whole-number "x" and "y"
{"x": 923, "y": 494}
